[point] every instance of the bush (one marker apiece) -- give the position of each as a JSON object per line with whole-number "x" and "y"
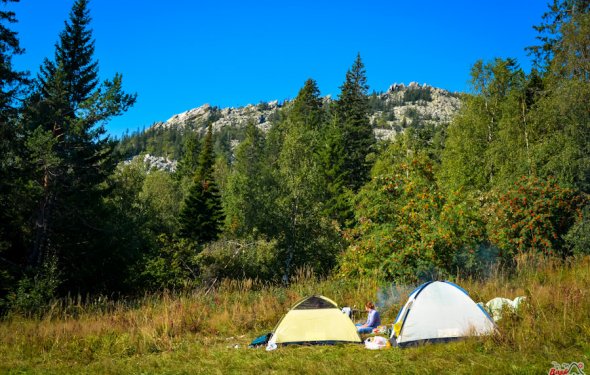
{"x": 34, "y": 293}
{"x": 408, "y": 231}
{"x": 173, "y": 266}
{"x": 533, "y": 218}
{"x": 239, "y": 259}
{"x": 577, "y": 238}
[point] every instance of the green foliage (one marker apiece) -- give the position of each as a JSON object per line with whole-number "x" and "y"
{"x": 201, "y": 215}
{"x": 563, "y": 152}
{"x": 126, "y": 223}
{"x": 64, "y": 119}
{"x": 239, "y": 259}
{"x": 161, "y": 194}
{"x": 577, "y": 238}
{"x": 173, "y": 264}
{"x": 533, "y": 217}
{"x": 487, "y": 134}
{"x": 169, "y": 142}
{"x": 442, "y": 200}
{"x": 34, "y": 293}
{"x": 206, "y": 159}
{"x": 306, "y": 237}
{"x": 13, "y": 82}
{"x": 415, "y": 94}
{"x": 251, "y": 189}
{"x": 561, "y": 15}
{"x": 348, "y": 140}
{"x": 407, "y": 230}
{"x": 352, "y": 113}
{"x": 225, "y": 139}
{"x": 338, "y": 195}
{"x": 307, "y": 106}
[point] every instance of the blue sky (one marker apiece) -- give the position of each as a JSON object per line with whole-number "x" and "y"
{"x": 180, "y": 54}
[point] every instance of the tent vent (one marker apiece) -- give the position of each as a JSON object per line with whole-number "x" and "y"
{"x": 315, "y": 302}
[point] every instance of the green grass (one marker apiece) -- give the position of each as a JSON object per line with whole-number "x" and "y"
{"x": 208, "y": 331}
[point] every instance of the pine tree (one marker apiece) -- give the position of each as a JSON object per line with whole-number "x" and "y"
{"x": 201, "y": 216}
{"x": 71, "y": 106}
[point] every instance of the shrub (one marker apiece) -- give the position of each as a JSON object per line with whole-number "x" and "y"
{"x": 407, "y": 230}
{"x": 239, "y": 259}
{"x": 577, "y": 238}
{"x": 173, "y": 266}
{"x": 34, "y": 293}
{"x": 533, "y": 218}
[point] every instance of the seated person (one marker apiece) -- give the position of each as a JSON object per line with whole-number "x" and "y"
{"x": 373, "y": 319}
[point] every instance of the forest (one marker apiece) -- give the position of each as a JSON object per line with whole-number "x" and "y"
{"x": 506, "y": 181}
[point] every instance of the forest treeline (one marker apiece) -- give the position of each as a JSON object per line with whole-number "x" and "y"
{"x": 509, "y": 178}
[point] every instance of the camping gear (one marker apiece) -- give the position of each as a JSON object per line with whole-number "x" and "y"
{"x": 314, "y": 320}
{"x": 347, "y": 311}
{"x": 495, "y": 306}
{"x": 379, "y": 330}
{"x": 439, "y": 311}
{"x": 376, "y": 343}
{"x": 260, "y": 340}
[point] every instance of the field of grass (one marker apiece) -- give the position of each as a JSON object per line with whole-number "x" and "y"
{"x": 208, "y": 331}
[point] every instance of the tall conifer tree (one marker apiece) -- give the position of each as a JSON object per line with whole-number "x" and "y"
{"x": 348, "y": 141}
{"x": 352, "y": 111}
{"x": 201, "y": 217}
{"x": 13, "y": 194}
{"x": 66, "y": 115}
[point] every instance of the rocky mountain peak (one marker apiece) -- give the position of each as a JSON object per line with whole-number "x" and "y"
{"x": 391, "y": 111}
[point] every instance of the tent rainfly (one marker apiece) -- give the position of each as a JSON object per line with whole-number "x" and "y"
{"x": 314, "y": 320}
{"x": 439, "y": 311}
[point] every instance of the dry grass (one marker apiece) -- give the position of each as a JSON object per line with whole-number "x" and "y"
{"x": 197, "y": 332}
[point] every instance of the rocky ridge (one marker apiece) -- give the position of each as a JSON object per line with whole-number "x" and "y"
{"x": 403, "y": 105}
{"x": 154, "y": 163}
{"x": 391, "y": 111}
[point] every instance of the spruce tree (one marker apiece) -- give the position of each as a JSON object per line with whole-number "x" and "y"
{"x": 67, "y": 113}
{"x": 352, "y": 111}
{"x": 201, "y": 216}
{"x": 307, "y": 106}
{"x": 189, "y": 162}
{"x": 348, "y": 140}
{"x": 75, "y": 52}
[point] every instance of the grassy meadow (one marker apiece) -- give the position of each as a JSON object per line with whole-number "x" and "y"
{"x": 208, "y": 331}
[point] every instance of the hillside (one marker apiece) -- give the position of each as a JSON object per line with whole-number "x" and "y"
{"x": 391, "y": 112}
